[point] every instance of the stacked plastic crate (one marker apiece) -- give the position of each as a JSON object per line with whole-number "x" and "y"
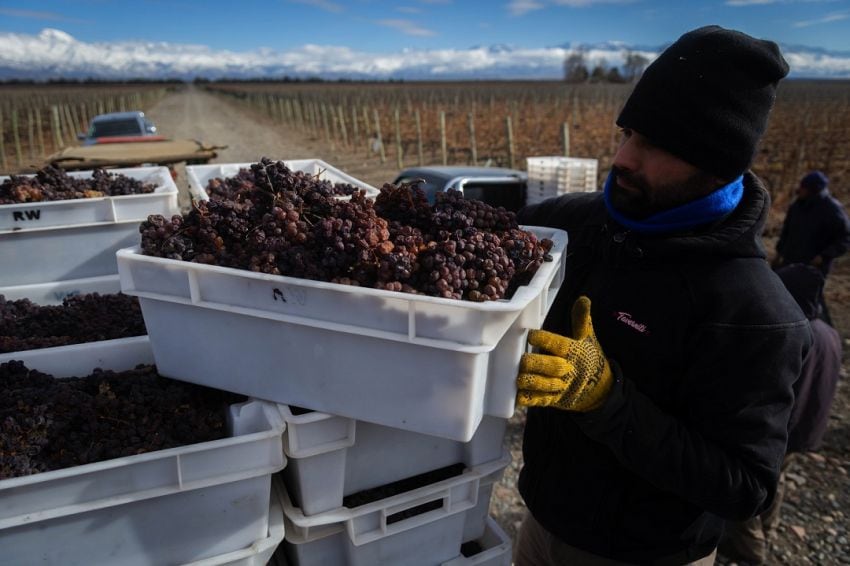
{"x": 395, "y": 404}
{"x": 208, "y": 503}
{"x": 53, "y": 249}
{"x": 552, "y": 176}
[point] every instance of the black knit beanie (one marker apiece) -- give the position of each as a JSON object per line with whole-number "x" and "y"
{"x": 706, "y": 98}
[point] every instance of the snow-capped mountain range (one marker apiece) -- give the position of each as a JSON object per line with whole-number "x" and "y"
{"x": 55, "y": 54}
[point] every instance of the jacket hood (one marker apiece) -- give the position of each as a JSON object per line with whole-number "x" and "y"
{"x": 736, "y": 235}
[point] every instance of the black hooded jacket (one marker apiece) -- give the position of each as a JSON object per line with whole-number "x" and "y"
{"x": 706, "y": 344}
{"x": 814, "y": 226}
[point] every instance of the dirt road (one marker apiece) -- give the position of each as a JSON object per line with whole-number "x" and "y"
{"x": 195, "y": 114}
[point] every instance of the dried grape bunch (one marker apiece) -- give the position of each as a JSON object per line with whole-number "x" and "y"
{"x": 406, "y": 204}
{"x": 526, "y": 253}
{"x": 83, "y": 318}
{"x": 116, "y": 184}
{"x": 53, "y": 183}
{"x": 453, "y": 212}
{"x": 49, "y": 423}
{"x": 275, "y": 177}
{"x": 283, "y": 222}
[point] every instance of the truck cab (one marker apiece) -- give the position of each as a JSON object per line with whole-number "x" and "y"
{"x": 119, "y": 127}
{"x": 496, "y": 186}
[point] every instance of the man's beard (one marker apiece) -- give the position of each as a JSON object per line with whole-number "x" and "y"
{"x": 642, "y": 201}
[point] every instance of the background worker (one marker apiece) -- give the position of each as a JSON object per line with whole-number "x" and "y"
{"x": 816, "y": 230}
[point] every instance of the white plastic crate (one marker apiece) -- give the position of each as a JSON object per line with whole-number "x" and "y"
{"x": 476, "y": 517}
{"x": 79, "y": 360}
{"x": 367, "y": 535}
{"x": 332, "y": 456}
{"x": 414, "y": 362}
{"x": 76, "y": 239}
{"x": 53, "y": 293}
{"x": 200, "y": 175}
{"x": 62, "y": 253}
{"x": 551, "y": 176}
{"x": 87, "y": 211}
{"x": 261, "y": 551}
{"x": 542, "y": 175}
{"x": 165, "y": 507}
{"x": 577, "y": 175}
{"x": 496, "y": 548}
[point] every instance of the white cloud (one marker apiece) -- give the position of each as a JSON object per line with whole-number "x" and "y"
{"x": 520, "y": 7}
{"x": 325, "y": 5}
{"x": 53, "y": 53}
{"x": 739, "y": 3}
{"x": 583, "y": 3}
{"x": 36, "y": 15}
{"x": 407, "y": 27}
{"x": 829, "y": 18}
{"x": 750, "y": 2}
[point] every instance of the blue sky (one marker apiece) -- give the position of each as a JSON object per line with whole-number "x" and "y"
{"x": 377, "y": 25}
{"x": 373, "y": 28}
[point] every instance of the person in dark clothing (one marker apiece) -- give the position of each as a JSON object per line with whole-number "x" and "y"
{"x": 816, "y": 228}
{"x": 661, "y": 387}
{"x": 748, "y": 541}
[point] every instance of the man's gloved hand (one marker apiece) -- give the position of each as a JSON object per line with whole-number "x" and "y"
{"x": 575, "y": 377}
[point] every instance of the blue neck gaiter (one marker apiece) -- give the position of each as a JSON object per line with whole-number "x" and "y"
{"x": 705, "y": 210}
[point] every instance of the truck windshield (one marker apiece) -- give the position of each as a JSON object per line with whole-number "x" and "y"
{"x": 127, "y": 127}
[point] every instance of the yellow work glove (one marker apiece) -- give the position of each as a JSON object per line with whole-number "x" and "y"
{"x": 575, "y": 377}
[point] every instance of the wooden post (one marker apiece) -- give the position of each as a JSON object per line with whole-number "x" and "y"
{"x": 16, "y": 138}
{"x": 75, "y": 119}
{"x": 39, "y": 133}
{"x": 296, "y": 113}
{"x": 510, "y": 132}
{"x": 398, "y": 148}
{"x": 419, "y": 138}
{"x": 355, "y": 136}
{"x": 565, "y": 138}
{"x": 63, "y": 129}
{"x": 472, "y": 145}
{"x": 4, "y": 166}
{"x": 443, "y": 137}
{"x": 67, "y": 129}
{"x": 325, "y": 123}
{"x": 30, "y": 133}
{"x": 366, "y": 132}
{"x": 332, "y": 118}
{"x": 85, "y": 118}
{"x": 378, "y": 134}
{"x": 342, "y": 125}
{"x": 56, "y": 127}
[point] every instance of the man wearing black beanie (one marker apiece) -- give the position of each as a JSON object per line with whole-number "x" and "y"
{"x": 660, "y": 388}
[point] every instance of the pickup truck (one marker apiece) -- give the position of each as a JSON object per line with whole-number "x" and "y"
{"x": 119, "y": 127}
{"x": 496, "y": 186}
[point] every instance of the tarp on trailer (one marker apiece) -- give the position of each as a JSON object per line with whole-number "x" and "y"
{"x": 133, "y": 153}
